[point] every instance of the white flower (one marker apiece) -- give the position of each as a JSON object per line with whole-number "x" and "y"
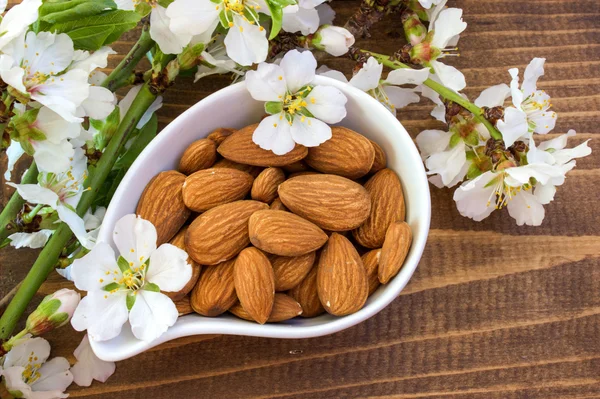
{"x": 333, "y": 39}
{"x": 126, "y": 102}
{"x": 428, "y": 3}
{"x": 169, "y": 40}
{"x": 36, "y": 69}
{"x": 27, "y": 374}
{"x": 37, "y": 239}
{"x": 522, "y": 189}
{"x": 531, "y": 111}
{"x": 368, "y": 79}
{"x": 300, "y": 111}
{"x": 89, "y": 367}
{"x": 129, "y": 288}
{"x": 16, "y": 21}
{"x": 61, "y": 191}
{"x": 449, "y": 162}
{"x": 246, "y": 40}
{"x": 216, "y": 55}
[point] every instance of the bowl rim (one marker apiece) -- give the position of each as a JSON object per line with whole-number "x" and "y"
{"x": 186, "y": 325}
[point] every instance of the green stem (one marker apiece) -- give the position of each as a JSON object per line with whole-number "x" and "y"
{"x": 16, "y": 203}
{"x": 7, "y": 346}
{"x": 51, "y": 252}
{"x": 443, "y": 91}
{"x": 29, "y": 217}
{"x": 121, "y": 75}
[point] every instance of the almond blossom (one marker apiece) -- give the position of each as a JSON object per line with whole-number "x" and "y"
{"x": 28, "y": 374}
{"x": 128, "y": 288}
{"x": 17, "y": 20}
{"x": 300, "y": 111}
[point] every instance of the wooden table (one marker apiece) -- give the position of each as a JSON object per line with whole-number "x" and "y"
{"x": 493, "y": 311}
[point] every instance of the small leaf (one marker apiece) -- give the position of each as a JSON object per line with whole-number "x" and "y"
{"x": 123, "y": 264}
{"x": 65, "y": 11}
{"x": 111, "y": 287}
{"x": 130, "y": 301}
{"x": 151, "y": 287}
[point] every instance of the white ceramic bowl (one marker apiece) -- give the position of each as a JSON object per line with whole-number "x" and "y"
{"x": 233, "y": 107}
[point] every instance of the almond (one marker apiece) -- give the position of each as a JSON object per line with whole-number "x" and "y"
{"x": 283, "y": 233}
{"x": 183, "y": 306}
{"x": 331, "y": 202}
{"x": 290, "y": 271}
{"x": 341, "y": 279}
{"x": 226, "y": 163}
{"x": 219, "y": 135}
{"x": 307, "y": 172}
{"x": 162, "y": 204}
{"x": 299, "y": 166}
{"x": 371, "y": 263}
{"x": 306, "y": 295}
{"x": 284, "y": 308}
{"x": 254, "y": 284}
{"x": 265, "y": 185}
{"x": 179, "y": 242}
{"x": 380, "y": 161}
{"x": 221, "y": 233}
{"x": 347, "y": 154}
{"x": 239, "y": 147}
{"x": 277, "y": 205}
{"x": 395, "y": 248}
{"x": 200, "y": 154}
{"x": 208, "y": 188}
{"x": 215, "y": 291}
{"x": 387, "y": 206}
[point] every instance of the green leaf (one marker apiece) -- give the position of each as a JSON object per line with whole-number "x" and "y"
{"x": 130, "y": 301}
{"x": 64, "y": 11}
{"x": 276, "y": 8}
{"x": 273, "y": 107}
{"x": 151, "y": 287}
{"x": 123, "y": 264}
{"x": 93, "y": 32}
{"x": 111, "y": 287}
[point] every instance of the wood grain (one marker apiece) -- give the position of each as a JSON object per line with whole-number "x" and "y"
{"x": 493, "y": 311}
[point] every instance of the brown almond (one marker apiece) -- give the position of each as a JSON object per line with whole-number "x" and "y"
{"x": 221, "y": 233}
{"x": 208, "y": 188}
{"x": 239, "y": 147}
{"x": 179, "y": 242}
{"x": 215, "y": 291}
{"x": 219, "y": 135}
{"x": 371, "y": 263}
{"x": 387, "y": 206}
{"x": 306, "y": 295}
{"x": 285, "y": 234}
{"x": 265, "y": 185}
{"x": 289, "y": 271}
{"x": 284, "y": 308}
{"x": 226, "y": 163}
{"x": 329, "y": 201}
{"x": 347, "y": 154}
{"x": 183, "y": 306}
{"x": 201, "y": 154}
{"x": 299, "y": 166}
{"x": 308, "y": 172}
{"x": 254, "y": 284}
{"x": 395, "y": 248}
{"x": 162, "y": 204}
{"x": 380, "y": 161}
{"x": 277, "y": 205}
{"x": 341, "y": 279}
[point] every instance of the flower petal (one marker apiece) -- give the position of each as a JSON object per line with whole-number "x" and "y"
{"x": 193, "y": 17}
{"x": 539, "y": 171}
{"x": 439, "y": 112}
{"x": 493, "y": 96}
{"x": 169, "y": 268}
{"x": 13, "y": 381}
{"x": 152, "y": 314}
{"x": 326, "y": 14}
{"x": 514, "y": 126}
{"x": 273, "y": 133}
{"x": 298, "y": 68}
{"x": 533, "y": 72}
{"x": 75, "y": 223}
{"x": 35, "y": 194}
{"x": 27, "y": 352}
{"x": 309, "y": 132}
{"x": 135, "y": 238}
{"x": 89, "y": 367}
{"x": 55, "y": 377}
{"x": 323, "y": 70}
{"x": 53, "y": 158}
{"x": 448, "y": 24}
{"x": 432, "y": 141}
{"x": 160, "y": 32}
{"x": 14, "y": 152}
{"x": 48, "y": 53}
{"x": 407, "y": 76}
{"x": 17, "y": 20}
{"x": 96, "y": 269}
{"x": 368, "y": 77}
{"x": 64, "y": 95}
{"x": 544, "y": 193}
{"x": 246, "y": 43}
{"x": 401, "y": 97}
{"x": 102, "y": 314}
{"x": 55, "y": 128}
{"x": 305, "y": 21}
{"x": 30, "y": 240}
{"x": 327, "y": 103}
{"x": 448, "y": 164}
{"x": 449, "y": 76}
{"x": 475, "y": 199}
{"x": 267, "y": 83}
{"x": 100, "y": 103}
{"x": 89, "y": 62}
{"x": 526, "y": 209}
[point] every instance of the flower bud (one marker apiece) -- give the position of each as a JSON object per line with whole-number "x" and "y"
{"x": 55, "y": 311}
{"x": 333, "y": 39}
{"x": 190, "y": 57}
{"x": 414, "y": 30}
{"x": 424, "y": 52}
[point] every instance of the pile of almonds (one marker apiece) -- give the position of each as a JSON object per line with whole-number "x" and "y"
{"x": 271, "y": 237}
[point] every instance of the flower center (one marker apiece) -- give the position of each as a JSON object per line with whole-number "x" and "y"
{"x": 31, "y": 373}
{"x": 246, "y": 9}
{"x": 503, "y": 193}
{"x": 134, "y": 279}
{"x": 379, "y": 94}
{"x": 65, "y": 185}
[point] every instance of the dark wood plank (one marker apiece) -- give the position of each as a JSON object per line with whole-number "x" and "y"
{"x": 493, "y": 311}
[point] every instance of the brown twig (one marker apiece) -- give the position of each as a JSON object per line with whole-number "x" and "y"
{"x": 4, "y": 301}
